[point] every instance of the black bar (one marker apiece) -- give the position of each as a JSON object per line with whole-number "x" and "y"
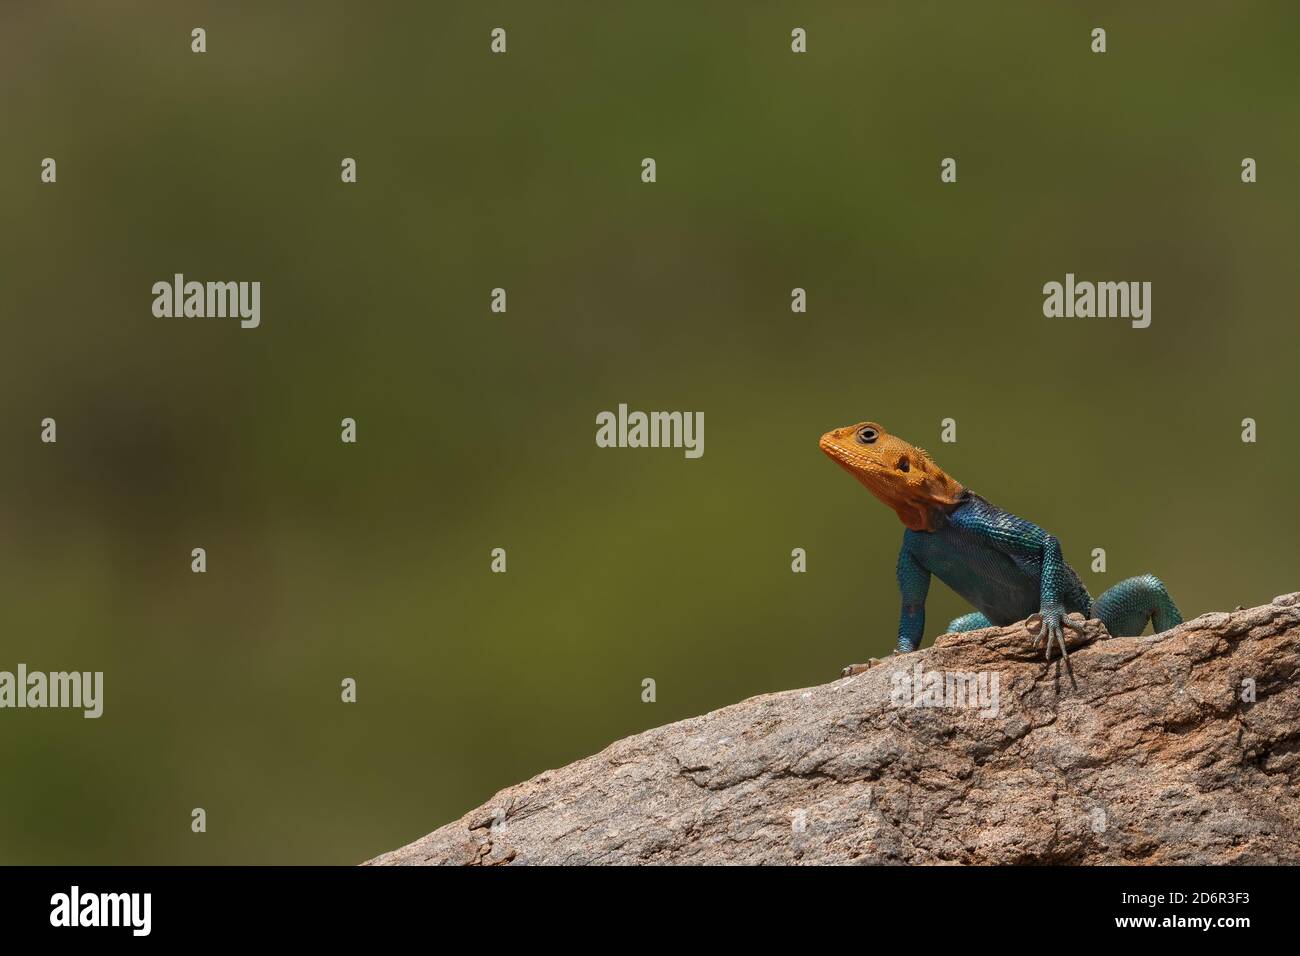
{"x": 534, "y": 904}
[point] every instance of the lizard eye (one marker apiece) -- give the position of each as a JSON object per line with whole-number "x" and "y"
{"x": 866, "y": 436}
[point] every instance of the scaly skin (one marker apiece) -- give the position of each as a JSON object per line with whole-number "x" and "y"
{"x": 1007, "y": 567}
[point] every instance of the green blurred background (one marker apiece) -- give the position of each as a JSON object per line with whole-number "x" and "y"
{"x": 477, "y": 430}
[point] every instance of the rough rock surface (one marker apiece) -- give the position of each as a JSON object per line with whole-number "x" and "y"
{"x": 1143, "y": 750}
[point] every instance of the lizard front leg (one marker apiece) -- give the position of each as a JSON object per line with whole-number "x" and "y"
{"x": 913, "y": 587}
{"x": 1051, "y": 606}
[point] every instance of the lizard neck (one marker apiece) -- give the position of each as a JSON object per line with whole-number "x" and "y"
{"x": 925, "y": 507}
{"x": 938, "y": 514}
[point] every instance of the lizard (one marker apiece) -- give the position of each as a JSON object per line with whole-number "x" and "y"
{"x": 1008, "y": 568}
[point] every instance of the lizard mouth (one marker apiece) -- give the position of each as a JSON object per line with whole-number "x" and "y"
{"x": 842, "y": 455}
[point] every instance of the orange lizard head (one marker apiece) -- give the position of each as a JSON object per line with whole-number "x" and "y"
{"x": 899, "y": 474}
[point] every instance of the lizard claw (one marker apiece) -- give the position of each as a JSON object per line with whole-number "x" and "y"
{"x": 1050, "y": 625}
{"x": 854, "y": 669}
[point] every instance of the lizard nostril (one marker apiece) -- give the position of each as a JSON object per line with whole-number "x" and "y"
{"x": 904, "y": 464}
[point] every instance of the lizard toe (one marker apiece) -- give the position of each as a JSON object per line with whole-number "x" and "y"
{"x": 854, "y": 669}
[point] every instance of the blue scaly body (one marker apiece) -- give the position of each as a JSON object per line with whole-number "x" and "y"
{"x": 1010, "y": 568}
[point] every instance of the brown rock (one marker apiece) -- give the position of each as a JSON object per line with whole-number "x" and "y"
{"x": 1141, "y": 750}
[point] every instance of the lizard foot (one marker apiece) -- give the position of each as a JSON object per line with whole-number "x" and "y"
{"x": 1052, "y": 626}
{"x": 854, "y": 669}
